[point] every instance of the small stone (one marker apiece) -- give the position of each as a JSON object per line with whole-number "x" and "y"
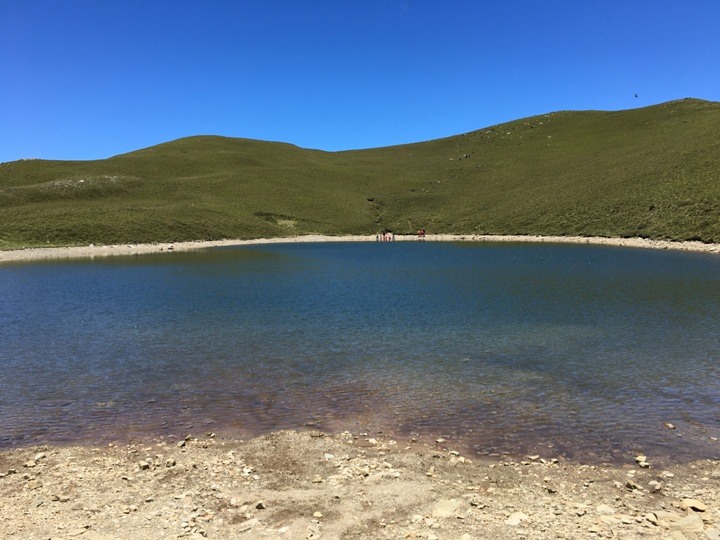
{"x": 34, "y": 484}
{"x": 641, "y": 458}
{"x": 39, "y": 456}
{"x": 170, "y": 462}
{"x": 317, "y": 514}
{"x": 666, "y": 518}
{"x": 631, "y": 485}
{"x": 655, "y": 485}
{"x": 29, "y": 464}
{"x": 515, "y": 519}
{"x": 652, "y": 518}
{"x": 447, "y": 508}
{"x": 440, "y": 440}
{"x": 260, "y": 505}
{"x": 317, "y": 479}
{"x": 693, "y": 504}
{"x": 247, "y": 525}
{"x": 181, "y": 444}
{"x": 692, "y": 523}
{"x": 669, "y": 425}
{"x": 610, "y": 520}
{"x": 143, "y": 465}
{"x": 93, "y": 535}
{"x": 605, "y": 509}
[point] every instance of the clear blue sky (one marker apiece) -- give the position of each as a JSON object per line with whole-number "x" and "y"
{"x": 85, "y": 79}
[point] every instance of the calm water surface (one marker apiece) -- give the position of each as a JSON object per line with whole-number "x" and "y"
{"x": 553, "y": 349}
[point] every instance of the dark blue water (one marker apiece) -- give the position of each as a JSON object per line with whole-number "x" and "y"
{"x": 551, "y": 349}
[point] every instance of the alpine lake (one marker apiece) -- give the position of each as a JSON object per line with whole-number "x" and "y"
{"x": 587, "y": 352}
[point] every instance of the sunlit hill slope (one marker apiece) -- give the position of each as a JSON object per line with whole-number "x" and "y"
{"x": 651, "y": 172}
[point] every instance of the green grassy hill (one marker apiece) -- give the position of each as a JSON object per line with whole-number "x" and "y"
{"x": 651, "y": 172}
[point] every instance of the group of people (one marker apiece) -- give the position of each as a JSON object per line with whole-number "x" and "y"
{"x": 386, "y": 235}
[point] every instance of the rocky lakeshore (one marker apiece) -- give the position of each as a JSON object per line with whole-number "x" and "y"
{"x": 307, "y": 484}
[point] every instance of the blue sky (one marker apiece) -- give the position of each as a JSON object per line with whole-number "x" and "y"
{"x": 89, "y": 79}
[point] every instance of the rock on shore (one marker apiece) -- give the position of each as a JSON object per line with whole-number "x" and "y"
{"x": 308, "y": 485}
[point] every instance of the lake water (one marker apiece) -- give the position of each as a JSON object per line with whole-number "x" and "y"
{"x": 572, "y": 350}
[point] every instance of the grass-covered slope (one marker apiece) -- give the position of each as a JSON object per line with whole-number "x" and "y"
{"x": 652, "y": 172}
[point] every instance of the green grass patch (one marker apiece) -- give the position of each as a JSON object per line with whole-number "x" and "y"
{"x": 651, "y": 172}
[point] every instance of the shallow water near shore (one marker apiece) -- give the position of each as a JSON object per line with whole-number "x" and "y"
{"x": 572, "y": 350}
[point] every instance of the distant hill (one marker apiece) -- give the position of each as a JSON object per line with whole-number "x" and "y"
{"x": 651, "y": 172}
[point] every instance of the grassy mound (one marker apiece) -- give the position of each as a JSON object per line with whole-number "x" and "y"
{"x": 651, "y": 172}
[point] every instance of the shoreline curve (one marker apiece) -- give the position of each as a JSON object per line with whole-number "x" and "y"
{"x": 91, "y": 251}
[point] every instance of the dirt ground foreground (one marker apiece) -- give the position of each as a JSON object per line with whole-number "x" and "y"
{"x": 307, "y": 485}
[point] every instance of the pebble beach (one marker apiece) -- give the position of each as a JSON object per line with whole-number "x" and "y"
{"x": 307, "y": 485}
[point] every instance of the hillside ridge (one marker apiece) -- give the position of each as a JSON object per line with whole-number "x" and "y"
{"x": 651, "y": 172}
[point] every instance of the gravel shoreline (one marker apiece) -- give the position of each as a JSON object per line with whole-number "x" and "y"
{"x": 91, "y": 251}
{"x": 307, "y": 485}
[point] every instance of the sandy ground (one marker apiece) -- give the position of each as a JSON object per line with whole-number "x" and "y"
{"x": 307, "y": 485}
{"x": 22, "y": 255}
